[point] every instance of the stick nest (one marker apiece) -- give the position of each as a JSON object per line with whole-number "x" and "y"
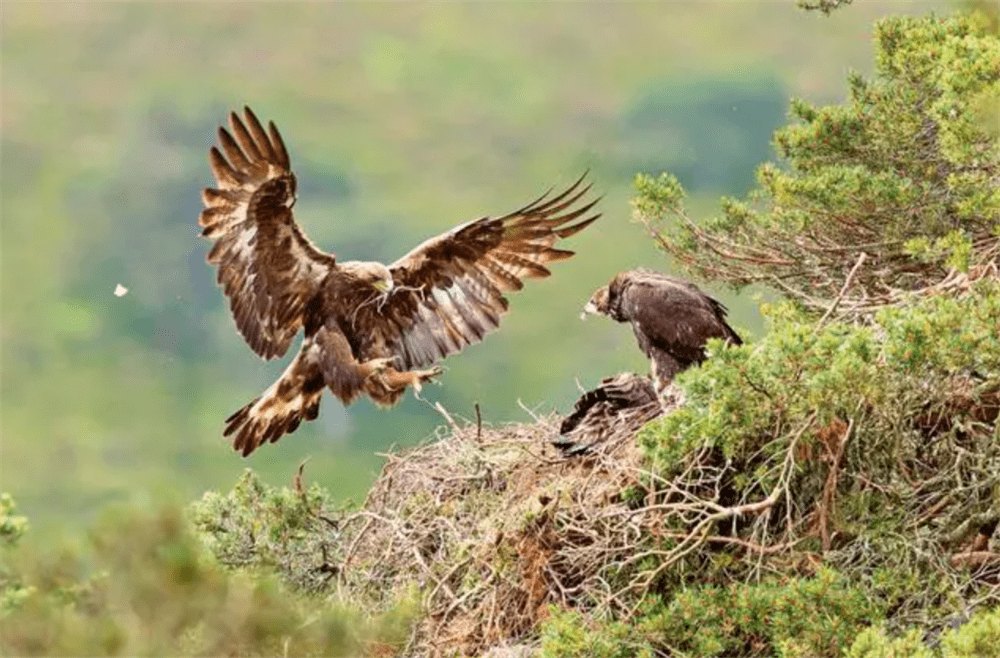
{"x": 490, "y": 526}
{"x": 494, "y": 526}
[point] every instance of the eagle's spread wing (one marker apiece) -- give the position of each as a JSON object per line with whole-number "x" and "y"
{"x": 449, "y": 291}
{"x": 267, "y": 267}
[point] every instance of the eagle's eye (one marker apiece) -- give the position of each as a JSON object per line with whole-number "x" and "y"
{"x": 383, "y": 283}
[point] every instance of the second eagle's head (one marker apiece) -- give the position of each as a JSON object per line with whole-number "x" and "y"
{"x": 607, "y": 300}
{"x": 598, "y": 304}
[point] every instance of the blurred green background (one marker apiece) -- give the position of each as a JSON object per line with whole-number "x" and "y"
{"x": 402, "y": 120}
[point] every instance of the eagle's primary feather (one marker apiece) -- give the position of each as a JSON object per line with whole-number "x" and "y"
{"x": 672, "y": 319}
{"x": 367, "y": 325}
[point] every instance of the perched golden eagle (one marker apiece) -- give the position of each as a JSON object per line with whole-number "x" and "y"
{"x": 672, "y": 319}
{"x": 368, "y": 327}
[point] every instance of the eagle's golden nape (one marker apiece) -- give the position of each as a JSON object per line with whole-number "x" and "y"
{"x": 671, "y": 319}
{"x": 370, "y": 329}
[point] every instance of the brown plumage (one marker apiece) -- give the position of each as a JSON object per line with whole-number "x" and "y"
{"x": 615, "y": 410}
{"x": 368, "y": 327}
{"x": 672, "y": 319}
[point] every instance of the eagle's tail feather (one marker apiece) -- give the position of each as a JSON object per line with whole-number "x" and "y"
{"x": 731, "y": 336}
{"x": 294, "y": 397}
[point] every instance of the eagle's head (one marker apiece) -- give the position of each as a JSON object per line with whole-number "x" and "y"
{"x": 598, "y": 304}
{"x": 608, "y": 300}
{"x": 372, "y": 273}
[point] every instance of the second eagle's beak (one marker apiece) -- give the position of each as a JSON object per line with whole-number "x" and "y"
{"x": 383, "y": 285}
{"x": 589, "y": 308}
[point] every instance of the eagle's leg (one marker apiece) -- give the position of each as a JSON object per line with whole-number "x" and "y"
{"x": 395, "y": 380}
{"x": 386, "y": 387}
{"x": 376, "y": 366}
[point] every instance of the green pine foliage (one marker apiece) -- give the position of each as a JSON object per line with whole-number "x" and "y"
{"x": 871, "y": 426}
{"x": 885, "y": 376}
{"x": 904, "y": 173}
{"x": 13, "y": 590}
{"x": 570, "y": 634}
{"x": 861, "y": 431}
{"x": 979, "y": 637}
{"x": 259, "y": 526}
{"x": 761, "y": 619}
{"x": 767, "y": 618}
{"x": 145, "y": 585}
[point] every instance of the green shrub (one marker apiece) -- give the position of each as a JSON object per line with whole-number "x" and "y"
{"x": 256, "y": 525}
{"x": 873, "y": 642}
{"x": 896, "y": 187}
{"x": 979, "y": 637}
{"x": 145, "y": 586}
{"x": 792, "y": 617}
{"x": 570, "y": 634}
{"x": 13, "y": 591}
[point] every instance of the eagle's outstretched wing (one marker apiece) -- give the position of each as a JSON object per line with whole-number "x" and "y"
{"x": 267, "y": 266}
{"x": 449, "y": 291}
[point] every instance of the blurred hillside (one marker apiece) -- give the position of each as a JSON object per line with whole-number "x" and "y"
{"x": 402, "y": 121}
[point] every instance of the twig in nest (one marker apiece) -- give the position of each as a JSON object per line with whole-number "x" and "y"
{"x": 297, "y": 485}
{"x": 443, "y": 582}
{"x": 301, "y": 492}
{"x": 749, "y": 545}
{"x": 974, "y": 559}
{"x": 697, "y": 536}
{"x": 479, "y": 425}
{"x": 441, "y": 410}
{"x": 830, "y": 486}
{"x": 531, "y": 413}
{"x": 932, "y": 512}
{"x": 451, "y": 421}
{"x": 354, "y": 544}
{"x": 843, "y": 291}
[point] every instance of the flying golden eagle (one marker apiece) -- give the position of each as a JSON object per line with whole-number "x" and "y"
{"x": 671, "y": 319}
{"x": 368, "y": 327}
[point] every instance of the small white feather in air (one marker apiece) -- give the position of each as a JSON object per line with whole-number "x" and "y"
{"x": 120, "y": 290}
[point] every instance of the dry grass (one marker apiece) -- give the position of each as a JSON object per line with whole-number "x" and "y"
{"x": 494, "y": 526}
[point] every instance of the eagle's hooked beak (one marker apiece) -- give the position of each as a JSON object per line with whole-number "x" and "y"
{"x": 383, "y": 285}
